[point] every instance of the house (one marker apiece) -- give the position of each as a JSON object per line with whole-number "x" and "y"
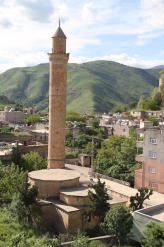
{"x": 152, "y": 173}
{"x": 12, "y": 116}
{"x": 145, "y": 216}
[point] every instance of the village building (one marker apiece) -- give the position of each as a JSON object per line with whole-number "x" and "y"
{"x": 152, "y": 172}
{"x": 9, "y": 115}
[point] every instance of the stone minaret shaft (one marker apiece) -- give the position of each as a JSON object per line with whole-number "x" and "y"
{"x": 57, "y": 100}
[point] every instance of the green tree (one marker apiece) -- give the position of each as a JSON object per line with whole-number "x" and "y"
{"x": 32, "y": 118}
{"x": 142, "y": 102}
{"x": 25, "y": 206}
{"x": 132, "y": 105}
{"x": 16, "y": 156}
{"x": 97, "y": 200}
{"x": 151, "y": 104}
{"x": 136, "y": 202}
{"x": 119, "y": 108}
{"x": 74, "y": 116}
{"x": 116, "y": 158}
{"x": 80, "y": 240}
{"x": 153, "y": 120}
{"x": 5, "y": 129}
{"x": 118, "y": 221}
{"x": 96, "y": 243}
{"x": 33, "y": 161}
{"x": 157, "y": 96}
{"x": 11, "y": 181}
{"x": 81, "y": 141}
{"x": 69, "y": 134}
{"x": 154, "y": 235}
{"x": 94, "y": 123}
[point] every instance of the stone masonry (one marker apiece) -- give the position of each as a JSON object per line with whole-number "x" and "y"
{"x": 57, "y": 100}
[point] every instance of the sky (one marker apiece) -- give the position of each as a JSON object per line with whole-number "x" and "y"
{"x": 130, "y": 32}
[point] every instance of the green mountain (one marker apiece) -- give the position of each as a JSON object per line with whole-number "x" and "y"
{"x": 94, "y": 86}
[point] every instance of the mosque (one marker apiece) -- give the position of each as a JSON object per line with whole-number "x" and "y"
{"x": 64, "y": 199}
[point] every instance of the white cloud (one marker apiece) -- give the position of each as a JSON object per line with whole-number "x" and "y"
{"x": 153, "y": 13}
{"x": 123, "y": 58}
{"x": 90, "y": 13}
{"x": 11, "y": 60}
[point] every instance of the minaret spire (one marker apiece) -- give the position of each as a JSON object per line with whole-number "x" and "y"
{"x": 57, "y": 100}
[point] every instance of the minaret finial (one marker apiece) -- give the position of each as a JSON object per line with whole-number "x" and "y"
{"x": 59, "y": 22}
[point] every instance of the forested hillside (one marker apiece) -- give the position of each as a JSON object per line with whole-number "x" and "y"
{"x": 91, "y": 87}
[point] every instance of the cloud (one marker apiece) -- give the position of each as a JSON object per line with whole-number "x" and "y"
{"x": 6, "y": 23}
{"x": 11, "y": 60}
{"x": 62, "y": 13}
{"x": 122, "y": 58}
{"x": 153, "y": 13}
{"x": 90, "y": 13}
{"x": 37, "y": 10}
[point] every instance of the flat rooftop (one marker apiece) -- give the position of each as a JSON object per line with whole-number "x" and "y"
{"x": 54, "y": 174}
{"x": 155, "y": 212}
{"x": 156, "y": 198}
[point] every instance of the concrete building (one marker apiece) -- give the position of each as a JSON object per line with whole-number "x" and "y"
{"x": 11, "y": 116}
{"x": 145, "y": 216}
{"x": 152, "y": 172}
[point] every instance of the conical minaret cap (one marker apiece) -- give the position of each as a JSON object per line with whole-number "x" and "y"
{"x": 59, "y": 33}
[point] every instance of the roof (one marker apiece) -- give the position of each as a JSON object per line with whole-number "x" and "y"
{"x": 59, "y": 33}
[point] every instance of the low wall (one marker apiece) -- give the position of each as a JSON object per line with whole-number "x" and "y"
{"x": 109, "y": 239}
{"x": 98, "y": 175}
{"x": 13, "y": 138}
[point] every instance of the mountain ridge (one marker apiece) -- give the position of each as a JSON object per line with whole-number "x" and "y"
{"x": 91, "y": 87}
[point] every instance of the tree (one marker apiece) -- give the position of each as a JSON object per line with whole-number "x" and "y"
{"x": 16, "y": 156}
{"x": 153, "y": 120}
{"x": 136, "y": 202}
{"x": 96, "y": 243}
{"x": 116, "y": 158}
{"x": 118, "y": 221}
{"x": 24, "y": 206}
{"x": 80, "y": 142}
{"x": 80, "y": 240}
{"x": 142, "y": 102}
{"x": 33, "y": 161}
{"x": 32, "y": 118}
{"x": 11, "y": 181}
{"x": 5, "y": 129}
{"x": 154, "y": 235}
{"x": 94, "y": 123}
{"x": 74, "y": 116}
{"x": 97, "y": 200}
{"x": 151, "y": 104}
{"x": 132, "y": 105}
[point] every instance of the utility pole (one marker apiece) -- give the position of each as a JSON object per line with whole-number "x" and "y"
{"x": 92, "y": 154}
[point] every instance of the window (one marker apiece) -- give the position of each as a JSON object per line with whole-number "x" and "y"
{"x": 152, "y": 155}
{"x": 124, "y": 130}
{"x": 151, "y": 169}
{"x": 153, "y": 140}
{"x": 151, "y": 184}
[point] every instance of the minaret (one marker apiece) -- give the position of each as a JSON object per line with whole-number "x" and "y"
{"x": 57, "y": 100}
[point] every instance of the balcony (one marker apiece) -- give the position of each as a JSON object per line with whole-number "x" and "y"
{"x": 140, "y": 144}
